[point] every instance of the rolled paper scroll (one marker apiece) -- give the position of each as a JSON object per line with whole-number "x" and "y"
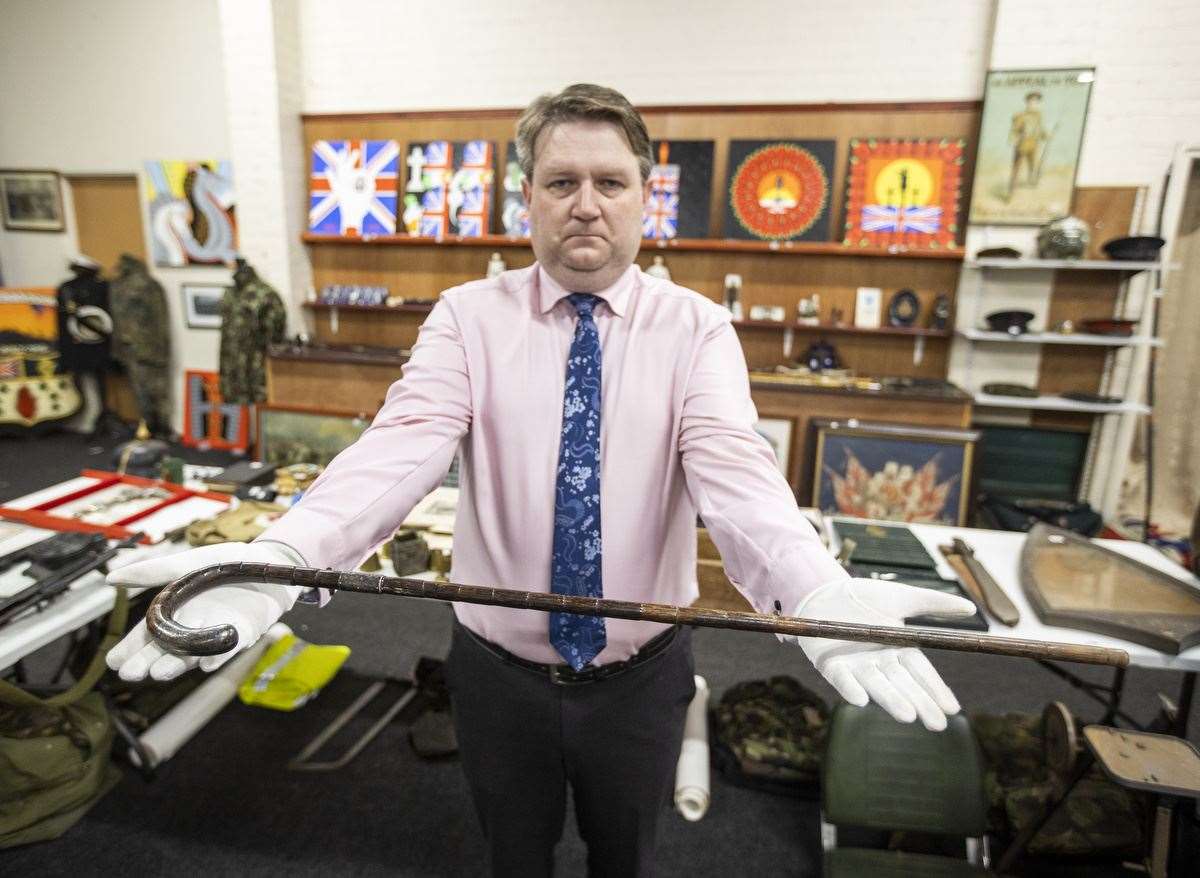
{"x": 691, "y": 774}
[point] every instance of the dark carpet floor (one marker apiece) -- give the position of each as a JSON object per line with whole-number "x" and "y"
{"x": 226, "y": 804}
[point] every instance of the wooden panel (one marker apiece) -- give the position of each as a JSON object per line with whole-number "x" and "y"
{"x": 351, "y": 387}
{"x": 1108, "y": 210}
{"x": 804, "y": 405}
{"x": 108, "y": 217}
{"x": 768, "y": 278}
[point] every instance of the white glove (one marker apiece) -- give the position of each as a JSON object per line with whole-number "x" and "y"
{"x": 900, "y": 679}
{"x": 251, "y": 607}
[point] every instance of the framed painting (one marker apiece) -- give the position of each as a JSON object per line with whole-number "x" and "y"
{"x": 294, "y": 435}
{"x": 893, "y": 472}
{"x": 779, "y": 433}
{"x": 202, "y": 305}
{"x": 779, "y": 190}
{"x": 191, "y": 210}
{"x": 680, "y": 190}
{"x": 514, "y": 212}
{"x": 31, "y": 201}
{"x": 1030, "y": 136}
{"x": 903, "y": 193}
{"x": 449, "y": 189}
{"x": 352, "y": 188}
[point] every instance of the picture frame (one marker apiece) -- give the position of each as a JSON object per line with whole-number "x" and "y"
{"x": 202, "y": 305}
{"x": 1030, "y": 137}
{"x": 291, "y": 434}
{"x": 868, "y": 308}
{"x": 31, "y": 201}
{"x": 780, "y": 433}
{"x": 893, "y": 472}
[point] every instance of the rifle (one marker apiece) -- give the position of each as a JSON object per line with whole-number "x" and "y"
{"x": 58, "y": 579}
{"x": 180, "y": 639}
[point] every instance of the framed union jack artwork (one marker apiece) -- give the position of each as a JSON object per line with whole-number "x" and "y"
{"x": 449, "y": 188}
{"x": 779, "y": 190}
{"x": 903, "y": 193}
{"x": 680, "y": 190}
{"x": 354, "y": 187}
{"x": 514, "y": 212}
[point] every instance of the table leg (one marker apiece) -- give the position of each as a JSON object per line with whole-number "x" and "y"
{"x": 1186, "y": 691}
{"x": 1111, "y": 698}
{"x": 1115, "y": 691}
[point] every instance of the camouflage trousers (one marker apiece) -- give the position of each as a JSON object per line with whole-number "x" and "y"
{"x": 150, "y": 381}
{"x": 1097, "y": 818}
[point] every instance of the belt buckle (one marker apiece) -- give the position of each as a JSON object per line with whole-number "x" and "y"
{"x": 562, "y": 675}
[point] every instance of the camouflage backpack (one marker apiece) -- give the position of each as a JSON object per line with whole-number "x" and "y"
{"x": 770, "y": 734}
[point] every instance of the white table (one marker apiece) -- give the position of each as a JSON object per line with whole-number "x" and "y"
{"x": 1000, "y": 552}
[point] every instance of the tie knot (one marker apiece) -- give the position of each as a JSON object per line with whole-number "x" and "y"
{"x": 584, "y": 303}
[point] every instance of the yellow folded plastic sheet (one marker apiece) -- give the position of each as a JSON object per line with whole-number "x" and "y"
{"x": 291, "y": 673}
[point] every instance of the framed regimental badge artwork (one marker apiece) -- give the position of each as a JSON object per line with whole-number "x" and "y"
{"x": 31, "y": 201}
{"x": 893, "y": 472}
{"x": 903, "y": 193}
{"x": 779, "y": 190}
{"x": 680, "y": 190}
{"x": 352, "y": 188}
{"x": 1029, "y": 141}
{"x": 202, "y": 305}
{"x": 449, "y": 189}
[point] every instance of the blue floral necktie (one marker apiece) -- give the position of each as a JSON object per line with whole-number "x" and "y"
{"x": 575, "y": 568}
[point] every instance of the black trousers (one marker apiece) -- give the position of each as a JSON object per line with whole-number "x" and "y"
{"x": 522, "y": 738}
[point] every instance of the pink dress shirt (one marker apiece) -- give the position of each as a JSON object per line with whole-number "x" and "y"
{"x": 677, "y": 439}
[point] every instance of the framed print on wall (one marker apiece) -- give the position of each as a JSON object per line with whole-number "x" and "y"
{"x": 778, "y": 433}
{"x": 893, "y": 472}
{"x": 288, "y": 435}
{"x": 202, "y": 305}
{"x": 31, "y": 201}
{"x": 779, "y": 190}
{"x": 1030, "y": 136}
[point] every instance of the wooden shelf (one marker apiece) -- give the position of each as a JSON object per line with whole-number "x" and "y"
{"x": 327, "y": 306}
{"x": 843, "y": 329}
{"x": 703, "y": 245}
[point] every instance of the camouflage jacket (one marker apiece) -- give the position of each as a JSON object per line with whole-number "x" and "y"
{"x": 139, "y": 312}
{"x": 252, "y": 317}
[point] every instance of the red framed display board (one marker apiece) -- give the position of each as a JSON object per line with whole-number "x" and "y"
{"x": 71, "y": 510}
{"x": 209, "y": 421}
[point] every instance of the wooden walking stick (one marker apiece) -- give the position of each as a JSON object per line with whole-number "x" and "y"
{"x": 160, "y": 618}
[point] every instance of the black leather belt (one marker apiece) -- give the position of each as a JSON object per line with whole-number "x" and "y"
{"x": 565, "y": 675}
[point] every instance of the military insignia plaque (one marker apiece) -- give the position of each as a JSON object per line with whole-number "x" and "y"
{"x": 779, "y": 190}
{"x": 680, "y": 190}
{"x": 903, "y": 193}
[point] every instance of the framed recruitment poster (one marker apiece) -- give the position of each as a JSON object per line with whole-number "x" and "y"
{"x": 1029, "y": 141}
{"x": 779, "y": 190}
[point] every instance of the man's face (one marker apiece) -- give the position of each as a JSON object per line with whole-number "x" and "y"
{"x": 585, "y": 204}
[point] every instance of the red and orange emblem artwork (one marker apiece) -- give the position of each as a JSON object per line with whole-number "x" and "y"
{"x": 778, "y": 192}
{"x": 903, "y": 193}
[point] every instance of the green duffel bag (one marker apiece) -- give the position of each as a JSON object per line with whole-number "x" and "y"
{"x": 55, "y": 752}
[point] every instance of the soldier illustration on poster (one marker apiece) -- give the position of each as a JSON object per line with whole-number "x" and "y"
{"x": 1029, "y": 143}
{"x": 680, "y": 190}
{"x": 779, "y": 190}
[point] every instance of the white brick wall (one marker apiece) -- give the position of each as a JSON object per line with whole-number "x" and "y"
{"x": 1146, "y": 98}
{"x": 387, "y": 55}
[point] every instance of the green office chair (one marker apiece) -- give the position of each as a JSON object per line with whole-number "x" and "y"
{"x": 880, "y": 774}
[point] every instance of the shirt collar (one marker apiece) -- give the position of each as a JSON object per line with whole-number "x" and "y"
{"x": 551, "y": 292}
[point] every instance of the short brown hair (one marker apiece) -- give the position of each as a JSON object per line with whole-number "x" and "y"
{"x": 582, "y": 101}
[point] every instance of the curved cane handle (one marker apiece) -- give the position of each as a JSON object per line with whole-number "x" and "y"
{"x": 179, "y": 638}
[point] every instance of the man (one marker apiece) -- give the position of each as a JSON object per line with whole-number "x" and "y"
{"x": 1026, "y": 135}
{"x": 598, "y": 411}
